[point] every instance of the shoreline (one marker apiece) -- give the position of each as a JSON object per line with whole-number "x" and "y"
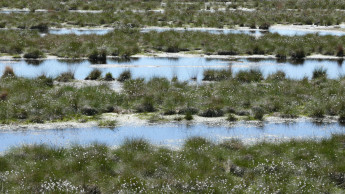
{"x": 178, "y": 55}
{"x": 137, "y": 120}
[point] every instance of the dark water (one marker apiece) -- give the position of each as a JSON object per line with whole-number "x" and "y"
{"x": 184, "y": 68}
{"x": 169, "y": 134}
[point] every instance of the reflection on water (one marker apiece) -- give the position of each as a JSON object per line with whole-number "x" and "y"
{"x": 184, "y": 68}
{"x": 169, "y": 134}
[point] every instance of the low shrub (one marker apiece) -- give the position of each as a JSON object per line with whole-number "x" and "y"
{"x": 125, "y": 75}
{"x": 94, "y": 75}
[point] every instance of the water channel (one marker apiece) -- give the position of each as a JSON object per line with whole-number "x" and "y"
{"x": 184, "y": 68}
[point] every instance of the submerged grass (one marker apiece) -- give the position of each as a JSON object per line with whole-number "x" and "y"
{"x": 200, "y": 166}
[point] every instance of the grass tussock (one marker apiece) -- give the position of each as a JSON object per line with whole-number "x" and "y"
{"x": 65, "y": 77}
{"x": 200, "y": 166}
{"x": 244, "y": 94}
{"x": 125, "y": 42}
{"x": 217, "y": 75}
{"x": 95, "y": 74}
{"x": 108, "y": 123}
{"x": 125, "y": 75}
{"x": 8, "y": 73}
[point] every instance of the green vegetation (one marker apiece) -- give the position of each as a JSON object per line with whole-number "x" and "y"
{"x": 217, "y": 75}
{"x": 65, "y": 77}
{"x": 126, "y": 42}
{"x": 94, "y": 75}
{"x": 26, "y": 100}
{"x": 200, "y": 166}
{"x": 125, "y": 75}
{"x": 177, "y": 15}
{"x": 107, "y": 123}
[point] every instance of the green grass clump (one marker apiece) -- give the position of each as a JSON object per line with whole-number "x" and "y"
{"x": 319, "y": 73}
{"x": 34, "y": 54}
{"x": 65, "y": 77}
{"x": 107, "y": 123}
{"x": 252, "y": 75}
{"x": 188, "y": 116}
{"x": 94, "y": 75}
{"x": 212, "y": 112}
{"x": 231, "y": 117}
{"x": 108, "y": 77}
{"x": 200, "y": 166}
{"x": 98, "y": 56}
{"x": 258, "y": 113}
{"x": 8, "y": 73}
{"x": 217, "y": 75}
{"x": 125, "y": 75}
{"x": 278, "y": 76}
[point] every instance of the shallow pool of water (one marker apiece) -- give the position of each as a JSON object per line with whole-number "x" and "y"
{"x": 184, "y": 68}
{"x": 254, "y": 32}
{"x": 169, "y": 134}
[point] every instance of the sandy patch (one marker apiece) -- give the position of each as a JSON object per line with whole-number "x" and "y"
{"x": 142, "y": 120}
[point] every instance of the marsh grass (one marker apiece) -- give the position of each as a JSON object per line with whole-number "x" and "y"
{"x": 231, "y": 118}
{"x": 108, "y": 123}
{"x": 34, "y": 54}
{"x": 8, "y": 73}
{"x": 95, "y": 74}
{"x": 199, "y": 166}
{"x": 289, "y": 98}
{"x": 126, "y": 42}
{"x": 108, "y": 77}
{"x": 252, "y": 75}
{"x": 125, "y": 75}
{"x": 319, "y": 73}
{"x": 98, "y": 56}
{"x": 65, "y": 77}
{"x": 217, "y": 75}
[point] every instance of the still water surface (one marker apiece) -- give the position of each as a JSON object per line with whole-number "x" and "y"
{"x": 169, "y": 134}
{"x": 184, "y": 68}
